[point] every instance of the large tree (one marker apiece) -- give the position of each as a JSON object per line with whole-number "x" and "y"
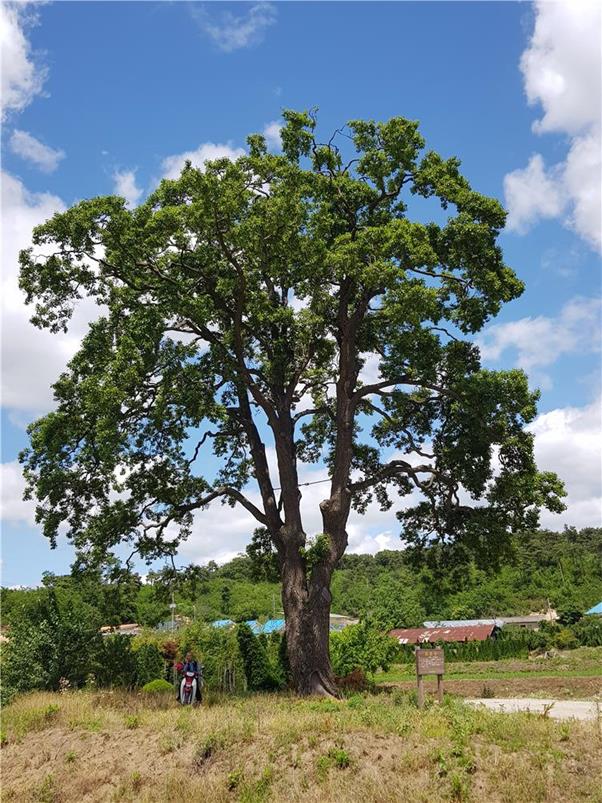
{"x": 285, "y": 301}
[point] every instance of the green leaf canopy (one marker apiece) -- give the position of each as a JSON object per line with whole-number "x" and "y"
{"x": 284, "y": 300}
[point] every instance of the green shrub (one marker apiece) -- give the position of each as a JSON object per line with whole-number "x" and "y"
{"x": 340, "y": 758}
{"x": 259, "y": 671}
{"x": 566, "y": 639}
{"x": 136, "y": 781}
{"x": 233, "y": 780}
{"x": 588, "y": 631}
{"x": 46, "y": 791}
{"x": 6, "y": 694}
{"x": 569, "y": 612}
{"x": 336, "y": 757}
{"x": 283, "y": 662}
{"x": 217, "y": 649}
{"x": 166, "y": 643}
{"x": 116, "y": 662}
{"x": 55, "y": 638}
{"x": 362, "y": 647}
{"x": 149, "y": 663}
{"x": 158, "y": 686}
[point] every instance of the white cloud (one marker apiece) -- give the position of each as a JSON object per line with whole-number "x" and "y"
{"x": 235, "y": 31}
{"x": 124, "y": 182}
{"x": 31, "y": 358}
{"x": 541, "y": 340}
{"x": 271, "y": 132}
{"x": 207, "y": 151}
{"x": 21, "y": 78}
{"x": 583, "y": 182}
{"x": 562, "y": 72}
{"x": 569, "y": 441}
{"x": 362, "y": 543}
{"x": 12, "y": 507}
{"x": 28, "y": 147}
{"x": 532, "y": 193}
{"x": 370, "y": 372}
{"x": 561, "y": 66}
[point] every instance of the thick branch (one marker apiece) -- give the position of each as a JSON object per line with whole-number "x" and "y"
{"x": 312, "y": 411}
{"x": 396, "y": 468}
{"x": 223, "y": 490}
{"x": 366, "y": 390}
{"x": 262, "y": 471}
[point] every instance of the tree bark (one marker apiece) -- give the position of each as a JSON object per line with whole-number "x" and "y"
{"x": 306, "y": 602}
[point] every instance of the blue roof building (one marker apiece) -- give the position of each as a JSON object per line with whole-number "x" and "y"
{"x": 595, "y": 611}
{"x": 271, "y": 626}
{"x": 337, "y": 622}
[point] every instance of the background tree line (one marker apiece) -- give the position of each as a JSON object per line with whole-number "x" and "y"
{"x": 394, "y": 588}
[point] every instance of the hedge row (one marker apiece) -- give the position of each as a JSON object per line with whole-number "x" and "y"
{"x": 518, "y": 642}
{"x": 53, "y": 656}
{"x": 60, "y": 653}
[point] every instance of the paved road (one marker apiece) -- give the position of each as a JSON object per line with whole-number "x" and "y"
{"x": 557, "y": 709}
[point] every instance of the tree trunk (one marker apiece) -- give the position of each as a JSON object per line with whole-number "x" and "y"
{"x": 306, "y": 604}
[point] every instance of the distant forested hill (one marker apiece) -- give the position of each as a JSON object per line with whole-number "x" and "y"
{"x": 394, "y": 587}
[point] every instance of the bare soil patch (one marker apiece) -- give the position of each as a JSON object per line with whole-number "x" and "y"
{"x": 560, "y": 688}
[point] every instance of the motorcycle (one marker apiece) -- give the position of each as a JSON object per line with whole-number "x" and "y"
{"x": 188, "y": 688}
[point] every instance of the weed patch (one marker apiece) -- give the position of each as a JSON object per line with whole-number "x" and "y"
{"x": 336, "y": 757}
{"x": 136, "y": 781}
{"x": 36, "y": 719}
{"x": 47, "y": 791}
{"x": 259, "y": 790}
{"x": 234, "y": 780}
{"x": 207, "y": 750}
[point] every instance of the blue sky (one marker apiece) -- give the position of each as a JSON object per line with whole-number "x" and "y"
{"x": 99, "y": 95}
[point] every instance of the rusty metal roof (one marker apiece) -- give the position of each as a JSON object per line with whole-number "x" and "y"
{"x": 420, "y": 635}
{"x": 500, "y": 621}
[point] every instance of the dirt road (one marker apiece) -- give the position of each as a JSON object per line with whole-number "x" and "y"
{"x": 556, "y": 709}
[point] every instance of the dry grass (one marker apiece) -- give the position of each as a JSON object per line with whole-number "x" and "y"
{"x": 119, "y": 747}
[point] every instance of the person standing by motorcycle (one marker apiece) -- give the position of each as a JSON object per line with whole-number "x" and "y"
{"x": 190, "y": 664}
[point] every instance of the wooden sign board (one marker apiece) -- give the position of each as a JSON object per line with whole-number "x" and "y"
{"x": 429, "y": 662}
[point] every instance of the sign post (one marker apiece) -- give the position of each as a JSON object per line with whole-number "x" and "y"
{"x": 429, "y": 662}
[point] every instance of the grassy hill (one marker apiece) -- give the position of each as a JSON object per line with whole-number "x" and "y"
{"x": 115, "y": 746}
